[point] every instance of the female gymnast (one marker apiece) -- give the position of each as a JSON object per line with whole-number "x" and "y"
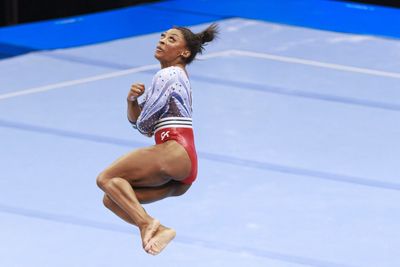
{"x": 170, "y": 166}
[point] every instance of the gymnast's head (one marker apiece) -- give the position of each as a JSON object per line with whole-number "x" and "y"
{"x": 179, "y": 45}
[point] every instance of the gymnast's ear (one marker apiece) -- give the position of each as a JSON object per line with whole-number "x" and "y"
{"x": 186, "y": 54}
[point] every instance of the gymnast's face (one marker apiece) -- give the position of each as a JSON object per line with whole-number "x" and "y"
{"x": 171, "y": 48}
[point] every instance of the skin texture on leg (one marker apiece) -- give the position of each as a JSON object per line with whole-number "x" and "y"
{"x": 173, "y": 188}
{"x": 111, "y": 205}
{"x": 147, "y": 195}
{"x": 148, "y": 167}
{"x": 121, "y": 193}
{"x": 152, "y": 166}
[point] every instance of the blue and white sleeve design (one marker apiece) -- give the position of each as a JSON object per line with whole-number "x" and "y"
{"x": 168, "y": 95}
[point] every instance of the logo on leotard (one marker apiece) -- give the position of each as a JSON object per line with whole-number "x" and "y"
{"x": 164, "y": 134}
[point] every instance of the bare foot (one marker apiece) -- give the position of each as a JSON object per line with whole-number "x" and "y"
{"x": 160, "y": 240}
{"x": 148, "y": 232}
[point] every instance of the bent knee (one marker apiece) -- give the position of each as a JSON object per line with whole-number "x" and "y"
{"x": 102, "y": 179}
{"x": 105, "y": 180}
{"x": 107, "y": 183}
{"x": 107, "y": 201}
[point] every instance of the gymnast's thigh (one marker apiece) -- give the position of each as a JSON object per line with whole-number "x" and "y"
{"x": 151, "y": 166}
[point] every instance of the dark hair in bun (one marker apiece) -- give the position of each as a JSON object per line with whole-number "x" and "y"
{"x": 195, "y": 42}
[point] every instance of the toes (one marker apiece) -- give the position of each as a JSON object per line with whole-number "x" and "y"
{"x": 160, "y": 240}
{"x": 151, "y": 249}
{"x": 151, "y": 229}
{"x": 149, "y": 245}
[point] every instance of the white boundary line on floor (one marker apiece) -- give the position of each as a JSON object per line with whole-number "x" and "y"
{"x": 96, "y": 78}
{"x": 232, "y": 52}
{"x": 76, "y": 82}
{"x": 315, "y": 63}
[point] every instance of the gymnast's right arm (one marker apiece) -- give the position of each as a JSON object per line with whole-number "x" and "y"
{"x": 134, "y": 109}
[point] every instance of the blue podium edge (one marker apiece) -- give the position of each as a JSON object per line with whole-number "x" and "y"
{"x": 105, "y": 26}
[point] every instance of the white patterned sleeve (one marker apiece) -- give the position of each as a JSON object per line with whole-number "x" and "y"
{"x": 157, "y": 101}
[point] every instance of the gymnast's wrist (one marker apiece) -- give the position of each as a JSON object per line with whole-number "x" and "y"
{"x": 132, "y": 99}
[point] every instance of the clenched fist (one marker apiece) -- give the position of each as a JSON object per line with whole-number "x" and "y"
{"x": 137, "y": 89}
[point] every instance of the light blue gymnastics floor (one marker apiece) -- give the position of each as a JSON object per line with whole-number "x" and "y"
{"x": 297, "y": 132}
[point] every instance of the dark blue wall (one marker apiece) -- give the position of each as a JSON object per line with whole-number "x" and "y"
{"x": 88, "y": 29}
{"x": 20, "y": 11}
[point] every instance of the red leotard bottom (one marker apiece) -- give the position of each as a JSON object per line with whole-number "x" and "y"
{"x": 185, "y": 137}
